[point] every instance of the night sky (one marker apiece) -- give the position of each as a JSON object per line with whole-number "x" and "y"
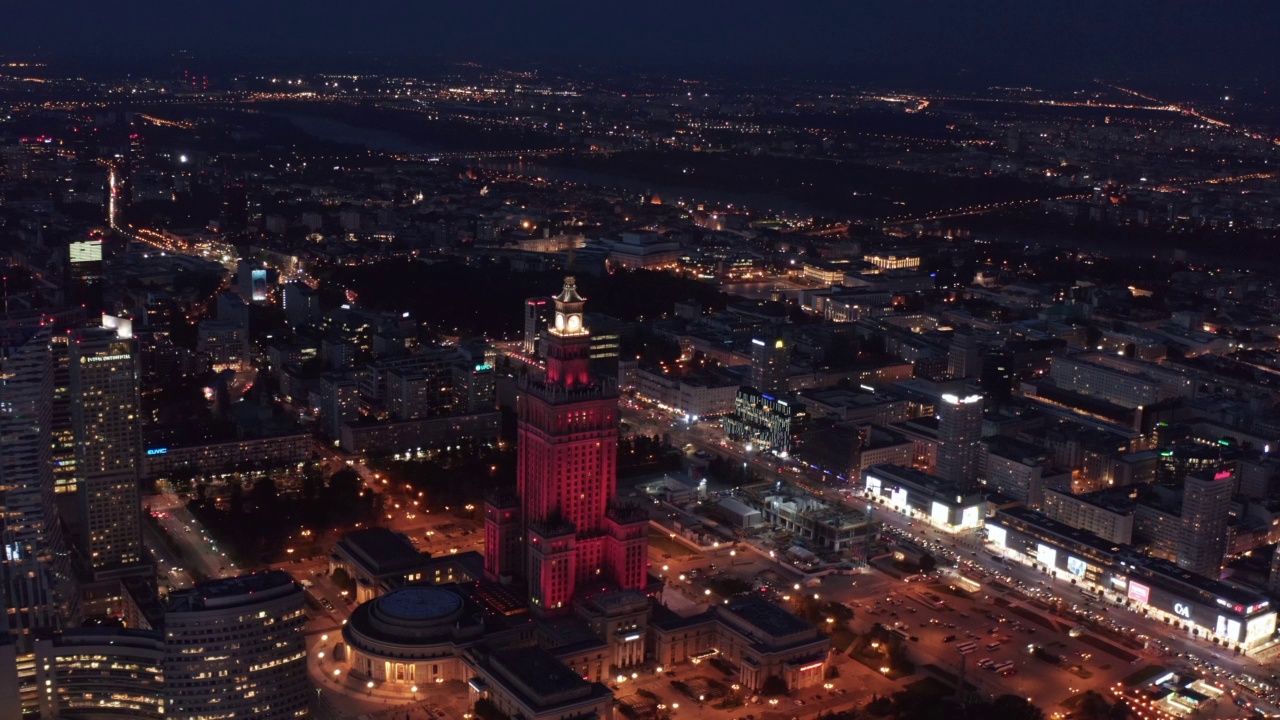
{"x": 995, "y": 40}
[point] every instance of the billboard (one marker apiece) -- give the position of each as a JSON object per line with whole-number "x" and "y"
{"x": 1047, "y": 555}
{"x": 1076, "y": 566}
{"x": 1228, "y": 628}
{"x": 969, "y": 517}
{"x": 1139, "y": 592}
{"x": 85, "y": 251}
{"x": 997, "y": 535}
{"x": 940, "y": 514}
{"x": 873, "y": 485}
{"x": 258, "y": 279}
{"x": 898, "y": 496}
{"x": 1263, "y": 626}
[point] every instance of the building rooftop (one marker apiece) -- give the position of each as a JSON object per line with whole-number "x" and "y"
{"x": 766, "y": 617}
{"x": 382, "y": 551}
{"x": 419, "y": 603}
{"x": 1236, "y": 598}
{"x": 231, "y": 592}
{"x": 538, "y": 670}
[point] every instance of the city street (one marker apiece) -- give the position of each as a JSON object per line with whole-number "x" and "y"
{"x": 200, "y": 551}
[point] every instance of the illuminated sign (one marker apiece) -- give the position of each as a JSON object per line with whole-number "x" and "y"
{"x": 955, "y": 400}
{"x": 1222, "y": 475}
{"x": 157, "y": 451}
{"x": 1046, "y": 554}
{"x": 811, "y": 666}
{"x": 1139, "y": 592}
{"x": 1263, "y": 626}
{"x": 629, "y": 638}
{"x": 997, "y": 535}
{"x": 483, "y": 367}
{"x": 969, "y": 517}
{"x": 105, "y": 358}
{"x": 873, "y": 485}
{"x": 1076, "y": 566}
{"x": 939, "y": 513}
{"x": 1182, "y": 609}
{"x": 898, "y": 496}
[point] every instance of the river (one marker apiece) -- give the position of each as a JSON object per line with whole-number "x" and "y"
{"x": 332, "y": 130}
{"x": 758, "y": 202}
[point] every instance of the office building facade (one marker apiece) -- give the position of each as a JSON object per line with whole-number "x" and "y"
{"x": 107, "y": 421}
{"x": 959, "y": 438}
{"x": 770, "y": 364}
{"x": 234, "y": 648}
{"x": 36, "y": 584}
{"x": 1206, "y": 512}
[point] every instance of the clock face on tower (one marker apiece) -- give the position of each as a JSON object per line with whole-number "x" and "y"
{"x": 575, "y": 323}
{"x": 559, "y": 321}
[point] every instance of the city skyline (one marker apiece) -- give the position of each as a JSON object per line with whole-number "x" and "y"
{"x": 918, "y": 41}
{"x": 533, "y": 362}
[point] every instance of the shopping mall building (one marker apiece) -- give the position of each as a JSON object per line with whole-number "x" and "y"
{"x": 1200, "y": 606}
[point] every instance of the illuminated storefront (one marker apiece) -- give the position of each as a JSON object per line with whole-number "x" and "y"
{"x": 924, "y": 496}
{"x": 1201, "y": 606}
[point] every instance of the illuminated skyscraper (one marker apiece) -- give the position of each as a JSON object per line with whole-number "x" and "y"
{"x": 575, "y": 535}
{"x": 106, "y": 418}
{"x": 959, "y": 438}
{"x": 33, "y": 560}
{"x": 770, "y": 365}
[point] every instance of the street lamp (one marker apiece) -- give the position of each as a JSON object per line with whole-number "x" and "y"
{"x": 414, "y": 690}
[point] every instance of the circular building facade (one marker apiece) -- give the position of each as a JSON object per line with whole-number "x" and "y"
{"x": 412, "y": 636}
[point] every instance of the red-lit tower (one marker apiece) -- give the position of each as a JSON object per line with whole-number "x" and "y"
{"x": 566, "y": 525}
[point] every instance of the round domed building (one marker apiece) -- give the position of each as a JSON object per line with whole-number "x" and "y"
{"x": 414, "y": 635}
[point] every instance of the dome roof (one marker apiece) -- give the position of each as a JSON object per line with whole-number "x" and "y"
{"x": 418, "y": 604}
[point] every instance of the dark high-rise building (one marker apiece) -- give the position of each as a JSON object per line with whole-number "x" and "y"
{"x": 1206, "y": 513}
{"x": 62, "y": 431}
{"x": 235, "y": 207}
{"x": 770, "y": 365}
{"x": 575, "y": 535}
{"x": 536, "y": 310}
{"x": 959, "y": 438}
{"x": 83, "y": 280}
{"x": 964, "y": 357}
